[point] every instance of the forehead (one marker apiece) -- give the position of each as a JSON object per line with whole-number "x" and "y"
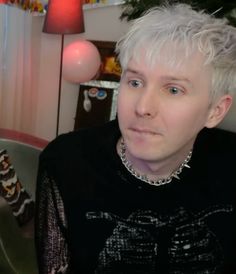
{"x": 174, "y": 60}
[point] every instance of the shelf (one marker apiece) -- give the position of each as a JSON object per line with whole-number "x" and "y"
{"x": 101, "y": 5}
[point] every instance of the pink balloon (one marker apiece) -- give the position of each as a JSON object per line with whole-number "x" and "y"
{"x": 81, "y": 61}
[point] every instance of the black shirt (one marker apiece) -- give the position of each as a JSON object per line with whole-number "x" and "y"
{"x": 93, "y": 216}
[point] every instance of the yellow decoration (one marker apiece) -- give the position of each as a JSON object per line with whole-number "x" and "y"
{"x": 35, "y": 6}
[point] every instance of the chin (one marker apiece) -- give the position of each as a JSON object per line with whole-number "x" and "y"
{"x": 140, "y": 151}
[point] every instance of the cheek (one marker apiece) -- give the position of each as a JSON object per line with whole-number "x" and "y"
{"x": 124, "y": 103}
{"x": 189, "y": 119}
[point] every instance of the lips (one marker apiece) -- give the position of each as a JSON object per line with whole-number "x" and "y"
{"x": 144, "y": 131}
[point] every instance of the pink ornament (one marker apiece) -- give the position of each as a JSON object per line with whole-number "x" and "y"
{"x": 81, "y": 61}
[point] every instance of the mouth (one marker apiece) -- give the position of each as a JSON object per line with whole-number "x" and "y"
{"x": 144, "y": 131}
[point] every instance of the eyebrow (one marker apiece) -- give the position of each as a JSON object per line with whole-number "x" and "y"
{"x": 131, "y": 70}
{"x": 177, "y": 79}
{"x": 164, "y": 78}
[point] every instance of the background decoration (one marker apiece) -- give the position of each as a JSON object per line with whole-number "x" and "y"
{"x": 105, "y": 2}
{"x": 34, "y": 6}
{"x": 97, "y": 101}
{"x": 63, "y": 17}
{"x": 81, "y": 61}
{"x": 95, "y": 1}
{"x": 132, "y": 9}
{"x": 110, "y": 69}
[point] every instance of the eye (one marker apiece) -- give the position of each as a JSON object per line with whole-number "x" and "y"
{"x": 174, "y": 90}
{"x": 135, "y": 83}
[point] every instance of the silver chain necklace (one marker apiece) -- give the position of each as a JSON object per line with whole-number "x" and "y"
{"x": 144, "y": 178}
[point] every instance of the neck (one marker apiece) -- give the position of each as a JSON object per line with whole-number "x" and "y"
{"x": 155, "y": 170}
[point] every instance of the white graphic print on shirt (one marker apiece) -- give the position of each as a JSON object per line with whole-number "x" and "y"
{"x": 146, "y": 242}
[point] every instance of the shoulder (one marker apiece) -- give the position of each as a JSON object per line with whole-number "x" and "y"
{"x": 74, "y": 156}
{"x": 215, "y": 153}
{"x": 213, "y": 165}
{"x": 217, "y": 140}
{"x": 84, "y": 141}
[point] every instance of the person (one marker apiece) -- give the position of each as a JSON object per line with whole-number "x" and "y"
{"x": 15, "y": 195}
{"x": 154, "y": 190}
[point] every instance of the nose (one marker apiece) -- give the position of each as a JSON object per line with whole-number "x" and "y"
{"x": 146, "y": 104}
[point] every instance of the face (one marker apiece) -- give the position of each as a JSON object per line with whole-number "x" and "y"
{"x": 162, "y": 108}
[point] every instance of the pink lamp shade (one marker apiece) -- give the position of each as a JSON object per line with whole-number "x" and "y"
{"x": 64, "y": 17}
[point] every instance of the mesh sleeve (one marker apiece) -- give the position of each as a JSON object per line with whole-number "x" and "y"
{"x": 50, "y": 228}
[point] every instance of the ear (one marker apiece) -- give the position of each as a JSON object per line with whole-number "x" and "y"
{"x": 218, "y": 110}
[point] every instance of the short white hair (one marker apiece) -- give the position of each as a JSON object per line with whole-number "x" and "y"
{"x": 186, "y": 28}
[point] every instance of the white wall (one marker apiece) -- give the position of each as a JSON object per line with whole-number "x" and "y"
{"x": 229, "y": 123}
{"x": 100, "y": 24}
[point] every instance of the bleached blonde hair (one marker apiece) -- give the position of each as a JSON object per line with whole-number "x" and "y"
{"x": 179, "y": 26}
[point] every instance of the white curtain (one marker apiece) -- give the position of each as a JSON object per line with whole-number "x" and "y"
{"x": 19, "y": 67}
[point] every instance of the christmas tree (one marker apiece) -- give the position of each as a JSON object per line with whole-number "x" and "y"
{"x": 133, "y": 9}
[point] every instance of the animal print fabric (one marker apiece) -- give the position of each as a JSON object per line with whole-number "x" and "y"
{"x": 13, "y": 192}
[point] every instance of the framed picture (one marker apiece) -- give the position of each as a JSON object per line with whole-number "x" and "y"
{"x": 97, "y": 98}
{"x": 96, "y": 103}
{"x": 110, "y": 69}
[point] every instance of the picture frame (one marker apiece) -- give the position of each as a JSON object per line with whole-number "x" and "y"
{"x": 97, "y": 103}
{"x": 110, "y": 69}
{"x": 97, "y": 98}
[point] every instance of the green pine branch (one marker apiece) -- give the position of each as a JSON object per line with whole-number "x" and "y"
{"x": 133, "y": 9}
